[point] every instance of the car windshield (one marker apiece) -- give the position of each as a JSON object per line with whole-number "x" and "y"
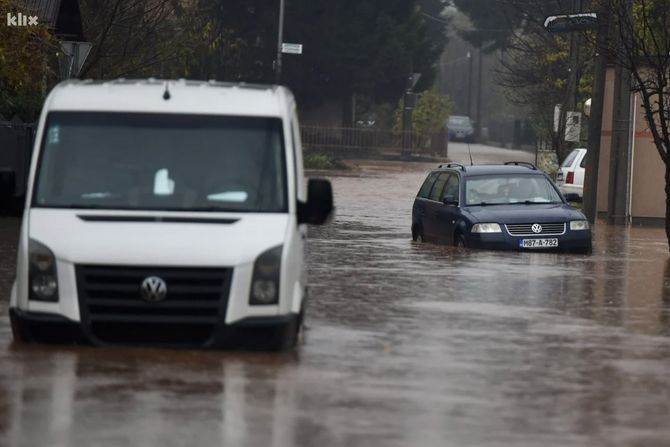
{"x": 162, "y": 161}
{"x": 510, "y": 189}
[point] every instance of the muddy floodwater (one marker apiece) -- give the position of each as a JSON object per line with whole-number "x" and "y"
{"x": 407, "y": 345}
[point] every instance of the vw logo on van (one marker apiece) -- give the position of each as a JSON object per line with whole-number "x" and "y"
{"x": 153, "y": 289}
{"x": 537, "y": 228}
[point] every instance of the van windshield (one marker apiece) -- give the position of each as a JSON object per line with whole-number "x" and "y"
{"x": 162, "y": 161}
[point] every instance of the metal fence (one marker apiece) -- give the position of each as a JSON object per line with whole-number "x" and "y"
{"x": 367, "y": 142}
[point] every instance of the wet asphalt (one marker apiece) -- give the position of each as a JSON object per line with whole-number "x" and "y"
{"x": 406, "y": 344}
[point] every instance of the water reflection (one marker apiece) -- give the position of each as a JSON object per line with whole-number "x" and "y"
{"x": 408, "y": 344}
{"x": 83, "y": 396}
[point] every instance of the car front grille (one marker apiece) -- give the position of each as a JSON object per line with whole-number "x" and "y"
{"x": 548, "y": 229}
{"x": 114, "y": 310}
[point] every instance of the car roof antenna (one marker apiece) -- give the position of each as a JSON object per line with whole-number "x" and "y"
{"x": 470, "y": 153}
{"x": 166, "y": 94}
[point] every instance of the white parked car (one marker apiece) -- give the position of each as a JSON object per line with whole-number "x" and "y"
{"x": 570, "y": 176}
{"x": 166, "y": 213}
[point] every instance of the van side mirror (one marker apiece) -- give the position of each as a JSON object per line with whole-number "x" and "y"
{"x": 572, "y": 197}
{"x": 450, "y": 200}
{"x": 319, "y": 206}
{"x": 7, "y": 184}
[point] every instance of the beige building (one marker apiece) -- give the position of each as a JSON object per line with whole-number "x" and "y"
{"x": 646, "y": 185}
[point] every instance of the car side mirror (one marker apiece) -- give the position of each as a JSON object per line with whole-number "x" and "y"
{"x": 450, "y": 200}
{"x": 572, "y": 197}
{"x": 7, "y": 184}
{"x": 319, "y": 206}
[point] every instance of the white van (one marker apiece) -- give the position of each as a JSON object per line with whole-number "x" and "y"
{"x": 166, "y": 213}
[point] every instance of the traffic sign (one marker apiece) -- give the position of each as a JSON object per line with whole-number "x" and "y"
{"x": 291, "y": 48}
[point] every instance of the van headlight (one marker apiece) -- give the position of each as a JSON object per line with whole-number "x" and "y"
{"x": 579, "y": 225}
{"x": 486, "y": 228}
{"x": 43, "y": 277}
{"x": 265, "y": 280}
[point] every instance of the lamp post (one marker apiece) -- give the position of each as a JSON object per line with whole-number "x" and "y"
{"x": 409, "y": 103}
{"x": 280, "y": 39}
{"x": 469, "y": 56}
{"x": 600, "y": 22}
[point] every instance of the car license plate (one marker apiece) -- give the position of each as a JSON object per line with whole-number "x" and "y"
{"x": 538, "y": 243}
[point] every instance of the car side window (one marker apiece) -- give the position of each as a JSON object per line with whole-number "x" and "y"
{"x": 583, "y": 163}
{"x": 451, "y": 188}
{"x": 438, "y": 187}
{"x": 427, "y": 185}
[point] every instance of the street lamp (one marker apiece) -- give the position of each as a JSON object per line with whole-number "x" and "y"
{"x": 280, "y": 40}
{"x": 469, "y": 56}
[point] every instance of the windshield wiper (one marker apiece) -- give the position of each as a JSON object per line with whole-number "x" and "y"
{"x": 72, "y": 206}
{"x": 211, "y": 209}
{"x": 528, "y": 202}
{"x": 486, "y": 204}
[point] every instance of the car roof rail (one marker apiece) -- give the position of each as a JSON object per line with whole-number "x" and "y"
{"x": 451, "y": 165}
{"x": 527, "y": 164}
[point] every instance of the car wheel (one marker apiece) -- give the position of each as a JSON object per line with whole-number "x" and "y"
{"x": 285, "y": 336}
{"x": 459, "y": 240}
{"x": 20, "y": 332}
{"x": 585, "y": 251}
{"x": 417, "y": 234}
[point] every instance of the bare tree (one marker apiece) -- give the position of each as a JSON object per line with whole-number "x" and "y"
{"x": 537, "y": 69}
{"x": 643, "y": 48}
{"x": 131, "y": 37}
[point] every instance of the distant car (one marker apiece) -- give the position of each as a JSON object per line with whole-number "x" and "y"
{"x": 570, "y": 176}
{"x": 460, "y": 128}
{"x": 513, "y": 206}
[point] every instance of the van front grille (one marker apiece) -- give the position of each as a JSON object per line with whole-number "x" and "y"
{"x": 115, "y": 308}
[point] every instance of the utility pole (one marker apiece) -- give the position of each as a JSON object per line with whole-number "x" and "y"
{"x": 571, "y": 102}
{"x": 469, "y": 56}
{"x": 618, "y": 193}
{"x": 580, "y": 22}
{"x": 590, "y": 193}
{"x": 409, "y": 103}
{"x": 280, "y": 40}
{"x": 478, "y": 119}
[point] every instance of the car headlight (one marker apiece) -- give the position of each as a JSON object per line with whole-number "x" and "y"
{"x": 43, "y": 277}
{"x": 265, "y": 279}
{"x": 579, "y": 225}
{"x": 486, "y": 228}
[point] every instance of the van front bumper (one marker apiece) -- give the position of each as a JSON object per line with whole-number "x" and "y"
{"x": 247, "y": 333}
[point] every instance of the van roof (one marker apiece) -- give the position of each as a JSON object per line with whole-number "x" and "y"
{"x": 185, "y": 96}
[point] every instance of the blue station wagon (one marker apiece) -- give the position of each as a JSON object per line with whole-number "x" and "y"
{"x": 514, "y": 206}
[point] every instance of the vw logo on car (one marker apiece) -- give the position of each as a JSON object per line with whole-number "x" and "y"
{"x": 153, "y": 289}
{"x": 536, "y": 228}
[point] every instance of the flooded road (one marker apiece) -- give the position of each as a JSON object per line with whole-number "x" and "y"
{"x": 407, "y": 345}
